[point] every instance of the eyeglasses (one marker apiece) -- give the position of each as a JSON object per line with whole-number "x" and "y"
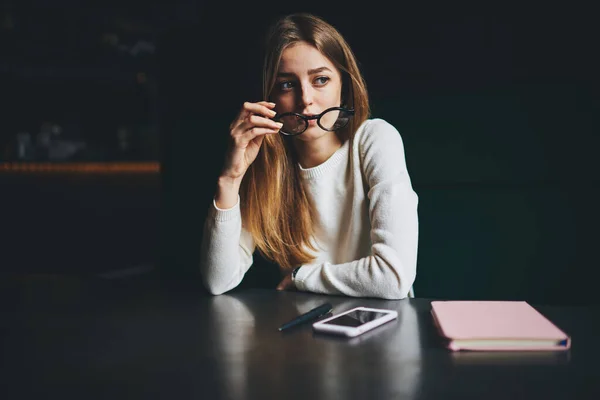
{"x": 332, "y": 119}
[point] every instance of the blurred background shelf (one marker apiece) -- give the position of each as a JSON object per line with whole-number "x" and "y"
{"x": 79, "y": 81}
{"x": 79, "y": 136}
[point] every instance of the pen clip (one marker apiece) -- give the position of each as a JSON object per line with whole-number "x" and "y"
{"x": 326, "y": 315}
{"x": 314, "y": 314}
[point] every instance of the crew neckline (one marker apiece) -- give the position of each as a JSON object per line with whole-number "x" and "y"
{"x": 327, "y": 165}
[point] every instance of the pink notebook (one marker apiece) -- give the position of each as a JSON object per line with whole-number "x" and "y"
{"x": 496, "y": 325}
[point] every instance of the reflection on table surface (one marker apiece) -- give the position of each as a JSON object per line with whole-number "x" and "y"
{"x": 248, "y": 348}
{"x": 79, "y": 340}
{"x": 511, "y": 357}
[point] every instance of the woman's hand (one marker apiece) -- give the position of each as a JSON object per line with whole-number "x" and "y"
{"x": 247, "y": 132}
{"x": 286, "y": 283}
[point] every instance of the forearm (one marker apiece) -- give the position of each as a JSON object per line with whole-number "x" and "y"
{"x": 227, "y": 192}
{"x": 389, "y": 271}
{"x": 372, "y": 276}
{"x": 226, "y": 252}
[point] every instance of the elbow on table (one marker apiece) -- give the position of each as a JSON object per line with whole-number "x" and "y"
{"x": 399, "y": 292}
{"x": 405, "y": 284}
{"x": 215, "y": 288}
{"x": 399, "y": 282}
{"x": 215, "y": 291}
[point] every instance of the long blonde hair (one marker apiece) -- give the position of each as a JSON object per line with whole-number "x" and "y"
{"x": 275, "y": 207}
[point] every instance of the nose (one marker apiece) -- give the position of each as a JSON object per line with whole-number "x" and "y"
{"x": 305, "y": 96}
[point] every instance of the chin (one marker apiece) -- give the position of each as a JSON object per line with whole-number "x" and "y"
{"x": 312, "y": 133}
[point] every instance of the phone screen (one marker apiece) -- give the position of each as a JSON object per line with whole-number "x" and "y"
{"x": 355, "y": 318}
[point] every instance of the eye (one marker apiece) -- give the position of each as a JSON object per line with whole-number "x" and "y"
{"x": 287, "y": 85}
{"x": 322, "y": 80}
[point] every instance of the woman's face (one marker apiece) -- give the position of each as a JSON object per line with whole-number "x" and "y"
{"x": 307, "y": 83}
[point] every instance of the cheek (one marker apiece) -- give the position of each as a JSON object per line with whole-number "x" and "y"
{"x": 334, "y": 95}
{"x": 283, "y": 103}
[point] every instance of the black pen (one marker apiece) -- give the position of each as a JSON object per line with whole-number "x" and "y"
{"x": 312, "y": 314}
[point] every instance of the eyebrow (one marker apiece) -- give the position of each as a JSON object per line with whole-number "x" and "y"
{"x": 310, "y": 72}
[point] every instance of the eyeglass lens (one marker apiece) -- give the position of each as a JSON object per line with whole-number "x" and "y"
{"x": 331, "y": 121}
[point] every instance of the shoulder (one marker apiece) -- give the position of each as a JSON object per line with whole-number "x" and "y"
{"x": 376, "y": 135}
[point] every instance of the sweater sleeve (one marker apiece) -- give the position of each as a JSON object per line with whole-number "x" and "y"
{"x": 390, "y": 270}
{"x": 226, "y": 250}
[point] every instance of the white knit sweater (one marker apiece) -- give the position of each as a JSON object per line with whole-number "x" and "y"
{"x": 366, "y": 228}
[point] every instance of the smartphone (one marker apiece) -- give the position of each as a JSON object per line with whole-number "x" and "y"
{"x": 354, "y": 322}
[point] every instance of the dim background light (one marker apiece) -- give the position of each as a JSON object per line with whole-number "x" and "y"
{"x": 81, "y": 168}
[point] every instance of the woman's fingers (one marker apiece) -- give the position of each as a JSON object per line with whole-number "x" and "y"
{"x": 256, "y": 131}
{"x": 247, "y": 132}
{"x": 257, "y": 120}
{"x": 257, "y": 125}
{"x": 264, "y": 108}
{"x": 254, "y": 125}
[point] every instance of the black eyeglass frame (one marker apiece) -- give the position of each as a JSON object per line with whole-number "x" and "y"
{"x": 306, "y": 119}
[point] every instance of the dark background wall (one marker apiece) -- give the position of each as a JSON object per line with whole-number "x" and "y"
{"x": 497, "y": 106}
{"x": 498, "y": 110}
{"x": 77, "y": 86}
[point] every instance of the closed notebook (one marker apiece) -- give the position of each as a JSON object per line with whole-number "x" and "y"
{"x": 496, "y": 325}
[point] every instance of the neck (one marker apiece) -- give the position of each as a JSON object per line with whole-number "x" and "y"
{"x": 316, "y": 152}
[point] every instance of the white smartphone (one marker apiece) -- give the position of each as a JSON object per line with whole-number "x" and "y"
{"x": 356, "y": 321}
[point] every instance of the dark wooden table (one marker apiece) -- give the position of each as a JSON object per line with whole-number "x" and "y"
{"x": 69, "y": 338}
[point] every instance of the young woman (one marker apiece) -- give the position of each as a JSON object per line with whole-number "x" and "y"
{"x": 310, "y": 181}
